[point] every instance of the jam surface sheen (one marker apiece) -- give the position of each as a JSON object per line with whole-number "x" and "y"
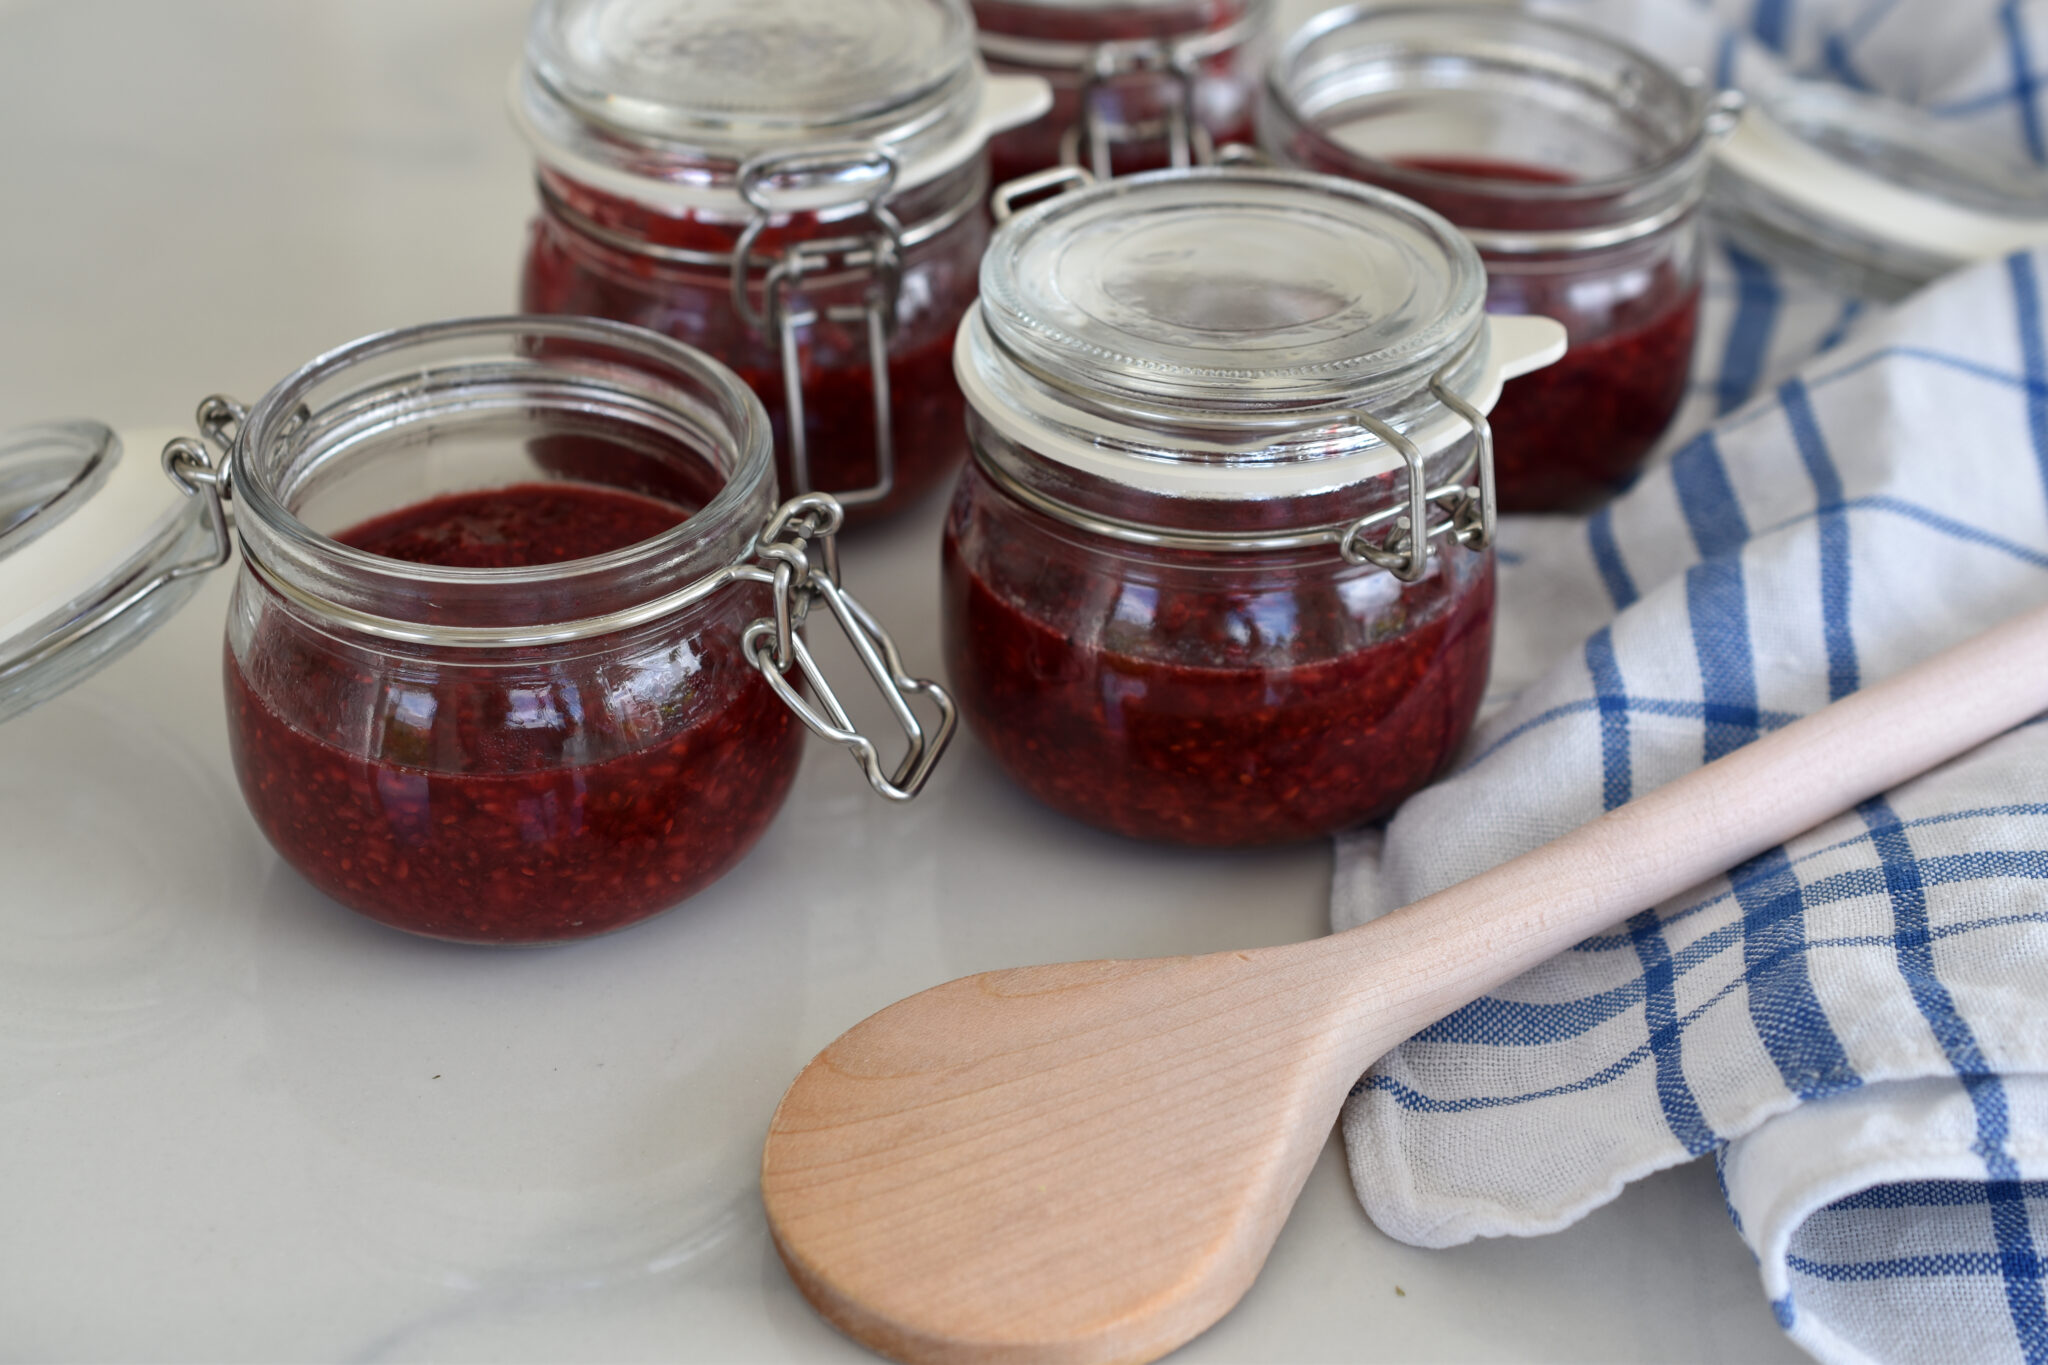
{"x": 1205, "y": 707}
{"x": 1572, "y": 434}
{"x": 524, "y": 797}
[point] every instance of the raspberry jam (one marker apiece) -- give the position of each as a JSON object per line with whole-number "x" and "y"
{"x": 1576, "y": 432}
{"x": 530, "y": 796}
{"x": 1182, "y": 600}
{"x": 1206, "y": 701}
{"x": 1575, "y": 164}
{"x": 1135, "y": 102}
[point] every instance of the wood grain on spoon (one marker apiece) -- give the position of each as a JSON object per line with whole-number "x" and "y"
{"x": 1089, "y": 1162}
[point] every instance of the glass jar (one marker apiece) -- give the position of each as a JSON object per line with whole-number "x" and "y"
{"x": 1576, "y": 165}
{"x": 795, "y": 188}
{"x": 510, "y": 651}
{"x": 1219, "y": 571}
{"x": 1138, "y": 85}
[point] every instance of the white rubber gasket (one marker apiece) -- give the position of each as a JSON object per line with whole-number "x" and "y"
{"x": 1516, "y": 345}
{"x": 108, "y": 533}
{"x": 1762, "y": 151}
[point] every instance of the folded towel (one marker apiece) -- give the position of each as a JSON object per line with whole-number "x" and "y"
{"x": 1855, "y": 1024}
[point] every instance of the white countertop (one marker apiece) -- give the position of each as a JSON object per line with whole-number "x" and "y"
{"x": 238, "y": 1122}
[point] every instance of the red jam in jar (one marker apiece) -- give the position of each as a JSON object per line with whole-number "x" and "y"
{"x": 498, "y": 804}
{"x": 1138, "y": 85}
{"x": 1178, "y": 603}
{"x": 538, "y": 698}
{"x": 797, "y": 190}
{"x": 1574, "y": 163}
{"x": 1127, "y": 690}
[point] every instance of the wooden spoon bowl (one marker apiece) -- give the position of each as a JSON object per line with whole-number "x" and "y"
{"x": 1089, "y": 1162}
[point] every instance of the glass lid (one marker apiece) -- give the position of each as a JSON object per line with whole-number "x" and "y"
{"x": 619, "y": 80}
{"x": 1871, "y": 191}
{"x": 92, "y": 535}
{"x": 1230, "y": 289}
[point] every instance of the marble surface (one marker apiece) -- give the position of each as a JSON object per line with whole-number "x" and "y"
{"x": 239, "y": 1123}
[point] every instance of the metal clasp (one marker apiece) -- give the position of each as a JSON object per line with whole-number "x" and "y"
{"x": 1058, "y": 179}
{"x": 1187, "y": 139}
{"x": 1405, "y": 551}
{"x": 783, "y": 181}
{"x": 775, "y": 644}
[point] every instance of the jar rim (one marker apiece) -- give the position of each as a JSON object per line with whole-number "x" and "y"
{"x": 1503, "y": 37}
{"x": 445, "y": 374}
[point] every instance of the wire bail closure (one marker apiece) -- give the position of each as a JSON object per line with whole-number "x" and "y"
{"x": 1187, "y": 139}
{"x": 871, "y": 173}
{"x": 812, "y": 520}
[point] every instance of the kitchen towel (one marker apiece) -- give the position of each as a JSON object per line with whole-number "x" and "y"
{"x": 1855, "y": 1025}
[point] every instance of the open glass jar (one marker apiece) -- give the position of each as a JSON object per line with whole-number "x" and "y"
{"x": 511, "y": 650}
{"x": 1576, "y": 165}
{"x": 1219, "y": 572}
{"x": 794, "y": 187}
{"x": 1138, "y": 85}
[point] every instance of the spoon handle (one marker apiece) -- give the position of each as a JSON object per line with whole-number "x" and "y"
{"x": 1470, "y": 938}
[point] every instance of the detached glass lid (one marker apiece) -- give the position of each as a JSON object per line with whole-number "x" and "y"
{"x": 687, "y": 90}
{"x": 1872, "y": 191}
{"x": 1231, "y": 290}
{"x": 96, "y": 549}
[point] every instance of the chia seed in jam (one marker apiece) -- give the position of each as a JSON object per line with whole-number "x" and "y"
{"x": 527, "y": 796}
{"x": 1575, "y": 433}
{"x": 1200, "y": 698}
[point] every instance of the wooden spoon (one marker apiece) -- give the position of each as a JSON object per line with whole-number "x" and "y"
{"x": 1090, "y": 1162}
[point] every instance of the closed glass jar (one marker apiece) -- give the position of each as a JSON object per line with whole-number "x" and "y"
{"x": 514, "y": 645}
{"x": 1138, "y": 85}
{"x": 1574, "y": 162}
{"x": 795, "y": 188}
{"x": 1180, "y": 601}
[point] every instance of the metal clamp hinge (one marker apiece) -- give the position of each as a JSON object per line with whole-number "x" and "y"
{"x": 878, "y": 254}
{"x": 1404, "y": 551}
{"x": 775, "y": 645}
{"x": 1187, "y": 138}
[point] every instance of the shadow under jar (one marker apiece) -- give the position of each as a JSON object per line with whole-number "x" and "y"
{"x": 513, "y": 647}
{"x": 794, "y": 187}
{"x": 1183, "y": 599}
{"x": 1138, "y": 85}
{"x": 1575, "y": 163}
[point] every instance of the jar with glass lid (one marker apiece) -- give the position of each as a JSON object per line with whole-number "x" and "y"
{"x": 1574, "y": 162}
{"x": 1138, "y": 85}
{"x": 795, "y": 187}
{"x": 1219, "y": 571}
{"x": 515, "y": 650}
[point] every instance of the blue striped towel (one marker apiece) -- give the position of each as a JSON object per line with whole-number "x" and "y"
{"x": 1856, "y": 1024}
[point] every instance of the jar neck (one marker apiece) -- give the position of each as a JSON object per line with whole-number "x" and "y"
{"x": 460, "y": 406}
